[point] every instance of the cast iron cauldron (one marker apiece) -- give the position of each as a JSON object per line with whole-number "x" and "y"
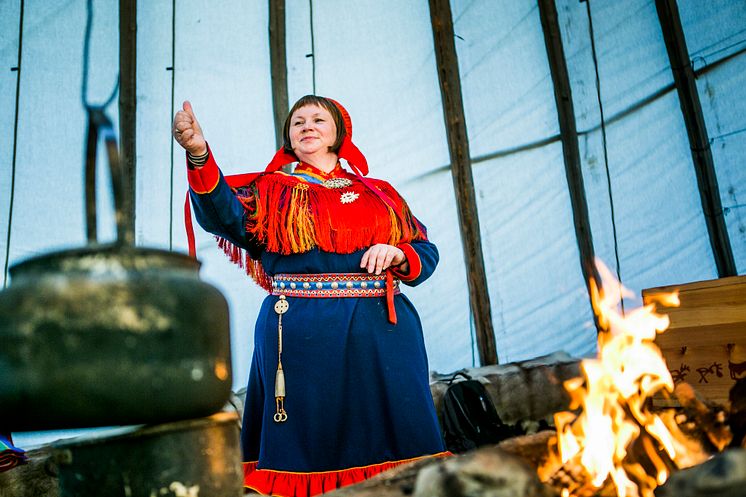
{"x": 190, "y": 458}
{"x": 110, "y": 334}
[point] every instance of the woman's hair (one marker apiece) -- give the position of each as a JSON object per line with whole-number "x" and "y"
{"x": 320, "y": 102}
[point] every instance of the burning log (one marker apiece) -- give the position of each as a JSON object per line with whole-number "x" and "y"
{"x": 616, "y": 440}
{"x": 533, "y": 449}
{"x": 702, "y": 420}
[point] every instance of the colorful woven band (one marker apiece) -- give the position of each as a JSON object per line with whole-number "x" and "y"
{"x": 324, "y": 285}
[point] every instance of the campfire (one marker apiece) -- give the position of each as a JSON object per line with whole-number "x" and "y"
{"x": 613, "y": 443}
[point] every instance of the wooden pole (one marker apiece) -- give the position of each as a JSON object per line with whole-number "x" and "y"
{"x": 569, "y": 137}
{"x": 691, "y": 108}
{"x": 127, "y": 108}
{"x": 458, "y": 147}
{"x": 278, "y": 66}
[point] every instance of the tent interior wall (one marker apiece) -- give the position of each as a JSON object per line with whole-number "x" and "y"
{"x": 378, "y": 59}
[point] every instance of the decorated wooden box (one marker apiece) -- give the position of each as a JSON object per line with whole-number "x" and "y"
{"x": 705, "y": 344}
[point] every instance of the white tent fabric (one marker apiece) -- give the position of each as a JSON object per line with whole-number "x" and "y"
{"x": 377, "y": 58}
{"x": 538, "y": 299}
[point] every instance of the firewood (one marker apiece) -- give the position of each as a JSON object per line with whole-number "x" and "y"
{"x": 704, "y": 420}
{"x": 533, "y": 449}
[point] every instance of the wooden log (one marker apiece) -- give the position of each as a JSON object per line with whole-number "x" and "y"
{"x": 463, "y": 182}
{"x": 691, "y": 109}
{"x": 569, "y": 136}
{"x": 704, "y": 421}
{"x": 530, "y": 390}
{"x": 278, "y": 66}
{"x": 128, "y": 109}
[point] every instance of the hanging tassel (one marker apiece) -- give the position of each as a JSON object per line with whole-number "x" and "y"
{"x": 280, "y": 415}
{"x": 281, "y": 307}
{"x": 390, "y": 297}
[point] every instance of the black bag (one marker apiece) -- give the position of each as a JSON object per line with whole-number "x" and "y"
{"x": 469, "y": 416}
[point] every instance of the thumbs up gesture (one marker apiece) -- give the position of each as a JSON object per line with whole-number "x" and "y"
{"x": 187, "y": 131}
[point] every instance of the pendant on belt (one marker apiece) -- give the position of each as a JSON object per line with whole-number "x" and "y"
{"x": 281, "y": 307}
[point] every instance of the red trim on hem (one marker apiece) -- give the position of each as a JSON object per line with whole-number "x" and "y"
{"x": 293, "y": 484}
{"x": 204, "y": 179}
{"x": 415, "y": 264}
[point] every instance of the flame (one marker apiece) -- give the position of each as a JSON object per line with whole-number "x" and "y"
{"x": 615, "y": 438}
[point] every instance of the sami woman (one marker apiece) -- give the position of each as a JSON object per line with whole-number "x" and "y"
{"x": 338, "y": 387}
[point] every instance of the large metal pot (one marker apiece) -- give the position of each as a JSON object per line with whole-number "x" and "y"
{"x": 110, "y": 334}
{"x": 184, "y": 459}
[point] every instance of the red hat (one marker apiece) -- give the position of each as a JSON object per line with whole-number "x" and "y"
{"x": 347, "y": 151}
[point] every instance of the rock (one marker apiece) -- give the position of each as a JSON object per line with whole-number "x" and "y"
{"x": 486, "y": 472}
{"x": 722, "y": 476}
{"x": 37, "y": 478}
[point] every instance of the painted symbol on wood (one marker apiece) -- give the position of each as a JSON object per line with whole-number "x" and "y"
{"x": 679, "y": 375}
{"x": 736, "y": 369}
{"x": 715, "y": 368}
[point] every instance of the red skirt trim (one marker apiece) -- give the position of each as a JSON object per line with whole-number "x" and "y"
{"x": 292, "y": 484}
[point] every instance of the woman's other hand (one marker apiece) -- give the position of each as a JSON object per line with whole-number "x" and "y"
{"x": 380, "y": 257}
{"x": 188, "y": 132}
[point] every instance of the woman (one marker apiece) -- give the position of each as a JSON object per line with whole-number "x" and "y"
{"x": 338, "y": 388}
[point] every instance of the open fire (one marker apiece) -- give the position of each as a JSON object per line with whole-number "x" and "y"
{"x": 614, "y": 440}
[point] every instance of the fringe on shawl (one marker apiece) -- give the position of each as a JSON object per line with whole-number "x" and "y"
{"x": 241, "y": 258}
{"x": 288, "y": 216}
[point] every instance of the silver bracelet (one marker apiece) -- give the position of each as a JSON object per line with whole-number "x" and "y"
{"x": 198, "y": 160}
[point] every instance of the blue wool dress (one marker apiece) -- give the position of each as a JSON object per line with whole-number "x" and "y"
{"x": 357, "y": 394}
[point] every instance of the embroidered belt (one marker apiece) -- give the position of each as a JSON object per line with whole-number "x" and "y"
{"x": 325, "y": 285}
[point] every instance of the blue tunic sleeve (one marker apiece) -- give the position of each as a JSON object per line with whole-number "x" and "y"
{"x": 218, "y": 209}
{"x": 221, "y": 213}
{"x": 422, "y": 256}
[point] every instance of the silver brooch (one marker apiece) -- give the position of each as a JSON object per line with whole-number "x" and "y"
{"x": 337, "y": 183}
{"x": 348, "y": 197}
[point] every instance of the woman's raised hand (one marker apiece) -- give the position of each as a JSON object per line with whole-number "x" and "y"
{"x": 188, "y": 132}
{"x": 381, "y": 256}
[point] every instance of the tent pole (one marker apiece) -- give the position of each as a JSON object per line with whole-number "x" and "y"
{"x": 691, "y": 108}
{"x": 127, "y": 107}
{"x": 569, "y": 136}
{"x": 278, "y": 66}
{"x": 458, "y": 147}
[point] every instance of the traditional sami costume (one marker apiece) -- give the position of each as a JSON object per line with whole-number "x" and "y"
{"x": 350, "y": 397}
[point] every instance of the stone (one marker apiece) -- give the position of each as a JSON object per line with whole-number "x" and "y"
{"x": 723, "y": 476}
{"x": 486, "y": 472}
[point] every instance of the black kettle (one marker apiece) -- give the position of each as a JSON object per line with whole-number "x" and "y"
{"x": 110, "y": 334}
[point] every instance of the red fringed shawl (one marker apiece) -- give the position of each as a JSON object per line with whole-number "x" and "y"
{"x": 287, "y": 215}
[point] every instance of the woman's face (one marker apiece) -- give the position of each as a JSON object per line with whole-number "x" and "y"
{"x": 312, "y": 130}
